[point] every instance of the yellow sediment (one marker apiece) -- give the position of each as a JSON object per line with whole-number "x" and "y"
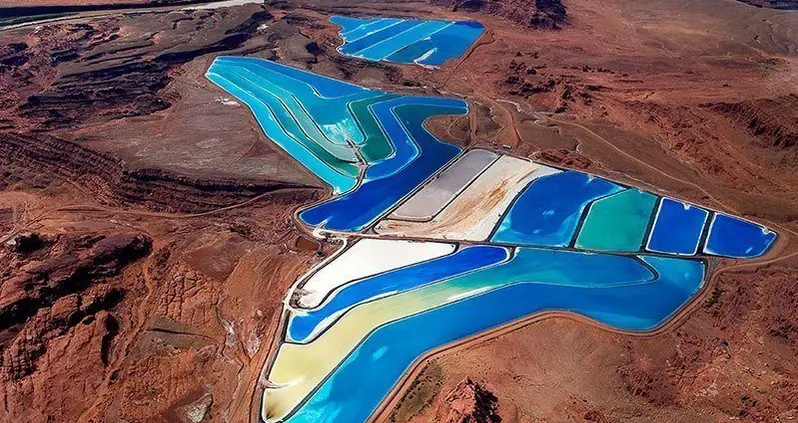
{"x": 299, "y": 368}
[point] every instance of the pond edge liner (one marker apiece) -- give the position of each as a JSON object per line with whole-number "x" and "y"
{"x": 554, "y": 312}
{"x": 708, "y": 270}
{"x": 323, "y": 182}
{"x": 701, "y": 234}
{"x": 679, "y": 317}
{"x": 509, "y": 255}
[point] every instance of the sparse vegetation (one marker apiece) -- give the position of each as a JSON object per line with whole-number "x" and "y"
{"x": 424, "y": 389}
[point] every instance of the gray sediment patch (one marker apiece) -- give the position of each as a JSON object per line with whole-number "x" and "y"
{"x": 433, "y": 197}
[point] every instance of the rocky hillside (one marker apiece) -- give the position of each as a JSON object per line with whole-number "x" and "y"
{"x": 532, "y": 13}
{"x": 51, "y": 284}
{"x": 65, "y": 75}
{"x": 772, "y": 121}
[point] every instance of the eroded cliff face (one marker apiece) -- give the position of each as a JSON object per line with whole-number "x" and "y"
{"x": 70, "y": 74}
{"x": 531, "y": 13}
{"x": 51, "y": 284}
{"x": 773, "y": 122}
{"x": 48, "y": 161}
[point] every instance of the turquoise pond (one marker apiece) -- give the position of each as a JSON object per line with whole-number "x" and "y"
{"x": 630, "y": 298}
{"x": 546, "y": 250}
{"x": 317, "y": 121}
{"x": 302, "y": 326}
{"x": 543, "y": 216}
{"x": 406, "y": 40}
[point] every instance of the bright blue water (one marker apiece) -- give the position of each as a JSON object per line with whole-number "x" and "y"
{"x": 408, "y": 40}
{"x": 329, "y": 115}
{"x": 548, "y": 210}
{"x": 301, "y": 326}
{"x": 734, "y": 237}
{"x": 324, "y": 86}
{"x": 290, "y": 112}
{"x": 352, "y": 48}
{"x": 452, "y": 42}
{"x": 677, "y": 229}
{"x": 400, "y": 174}
{"x": 355, "y": 389}
{"x": 368, "y": 27}
{"x": 350, "y": 24}
{"x": 387, "y": 47}
{"x": 270, "y": 125}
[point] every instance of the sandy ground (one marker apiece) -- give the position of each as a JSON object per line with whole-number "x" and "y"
{"x": 673, "y": 95}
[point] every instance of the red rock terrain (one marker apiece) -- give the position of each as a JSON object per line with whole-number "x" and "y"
{"x": 146, "y": 254}
{"x": 533, "y": 13}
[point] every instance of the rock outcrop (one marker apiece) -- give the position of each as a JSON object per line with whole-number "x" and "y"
{"x": 50, "y": 284}
{"x": 47, "y": 158}
{"x": 772, "y": 121}
{"x": 544, "y": 14}
{"x": 469, "y": 402}
{"x": 90, "y": 72}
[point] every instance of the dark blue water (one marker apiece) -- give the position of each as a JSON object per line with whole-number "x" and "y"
{"x": 734, "y": 237}
{"x": 677, "y": 229}
{"x": 356, "y": 388}
{"x": 547, "y": 212}
{"x": 400, "y": 174}
{"x": 301, "y": 326}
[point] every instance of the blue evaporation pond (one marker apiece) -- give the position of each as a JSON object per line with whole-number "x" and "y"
{"x": 733, "y": 237}
{"x": 222, "y": 74}
{"x": 353, "y": 48}
{"x": 547, "y": 212}
{"x": 418, "y": 155}
{"x": 350, "y": 24}
{"x": 451, "y": 42}
{"x": 324, "y": 86}
{"x": 406, "y": 41}
{"x": 369, "y": 26}
{"x": 303, "y": 326}
{"x": 357, "y": 387}
{"x": 677, "y": 228}
{"x": 317, "y": 113}
{"x": 387, "y": 47}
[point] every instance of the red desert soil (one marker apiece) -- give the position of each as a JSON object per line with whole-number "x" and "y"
{"x": 32, "y": 3}
{"x": 146, "y": 252}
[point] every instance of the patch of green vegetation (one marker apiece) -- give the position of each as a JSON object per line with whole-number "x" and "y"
{"x": 424, "y": 389}
{"x": 32, "y": 18}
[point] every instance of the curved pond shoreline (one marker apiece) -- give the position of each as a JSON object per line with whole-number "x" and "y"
{"x": 406, "y": 41}
{"x": 543, "y": 245}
